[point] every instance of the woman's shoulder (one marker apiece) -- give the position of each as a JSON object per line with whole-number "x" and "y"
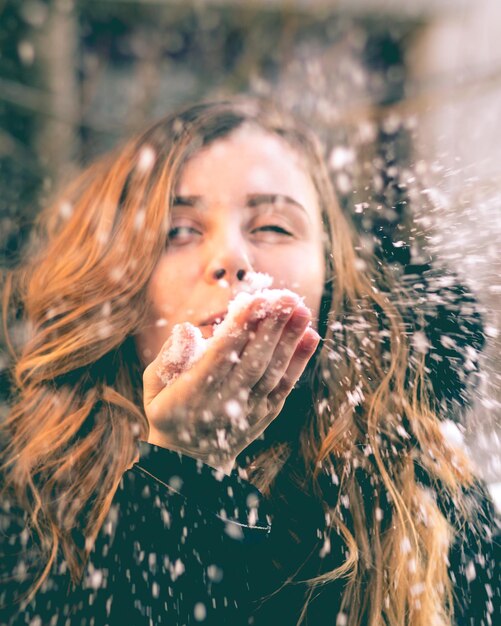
{"x": 475, "y": 551}
{"x": 475, "y": 557}
{"x": 179, "y": 526}
{"x": 173, "y": 530}
{"x": 438, "y": 305}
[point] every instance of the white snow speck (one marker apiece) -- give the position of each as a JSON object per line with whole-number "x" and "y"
{"x": 417, "y": 589}
{"x": 65, "y": 210}
{"x": 155, "y": 590}
{"x": 420, "y": 342}
{"x": 325, "y": 549}
{"x": 233, "y": 409}
{"x": 139, "y": 219}
{"x": 96, "y": 579}
{"x": 341, "y": 619}
{"x": 146, "y": 158}
{"x": 405, "y": 545}
{"x": 452, "y": 432}
{"x": 341, "y": 157}
{"x": 177, "y": 569}
{"x": 200, "y": 612}
{"x": 26, "y": 52}
{"x": 234, "y": 531}
{"x": 215, "y": 573}
{"x": 470, "y": 572}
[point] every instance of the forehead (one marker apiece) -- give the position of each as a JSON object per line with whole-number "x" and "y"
{"x": 248, "y": 160}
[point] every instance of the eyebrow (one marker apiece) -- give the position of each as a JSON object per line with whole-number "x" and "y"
{"x": 192, "y": 201}
{"x": 253, "y": 200}
{"x": 256, "y": 199}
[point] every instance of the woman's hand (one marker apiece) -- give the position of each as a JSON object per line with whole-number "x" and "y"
{"x": 226, "y": 400}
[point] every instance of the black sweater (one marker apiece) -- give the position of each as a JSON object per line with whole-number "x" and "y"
{"x": 184, "y": 545}
{"x": 299, "y": 551}
{"x": 173, "y": 551}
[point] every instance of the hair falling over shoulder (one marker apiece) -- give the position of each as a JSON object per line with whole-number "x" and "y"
{"x": 76, "y": 413}
{"x": 374, "y": 429}
{"x": 373, "y": 432}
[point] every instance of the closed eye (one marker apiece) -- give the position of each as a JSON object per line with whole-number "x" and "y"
{"x": 274, "y": 228}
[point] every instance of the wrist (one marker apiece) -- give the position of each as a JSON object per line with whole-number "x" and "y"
{"x": 157, "y": 438}
{"x": 216, "y": 460}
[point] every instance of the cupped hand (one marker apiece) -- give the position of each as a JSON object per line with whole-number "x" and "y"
{"x": 217, "y": 408}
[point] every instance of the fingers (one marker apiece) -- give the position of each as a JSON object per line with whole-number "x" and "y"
{"x": 258, "y": 353}
{"x": 284, "y": 350}
{"x": 178, "y": 354}
{"x": 223, "y": 351}
{"x": 303, "y": 353}
{"x": 226, "y": 348}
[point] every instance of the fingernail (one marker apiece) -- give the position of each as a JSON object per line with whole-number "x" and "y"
{"x": 311, "y": 338}
{"x": 300, "y": 319}
{"x": 302, "y": 311}
{"x": 284, "y": 306}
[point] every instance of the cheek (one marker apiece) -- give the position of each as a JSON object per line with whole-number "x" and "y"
{"x": 168, "y": 285}
{"x": 312, "y": 290}
{"x": 157, "y": 294}
{"x": 313, "y": 281}
{"x": 304, "y": 274}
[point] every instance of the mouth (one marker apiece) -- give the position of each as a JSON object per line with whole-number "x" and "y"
{"x": 215, "y": 319}
{"x": 208, "y": 325}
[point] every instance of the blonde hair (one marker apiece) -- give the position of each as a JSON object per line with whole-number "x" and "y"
{"x": 77, "y": 412}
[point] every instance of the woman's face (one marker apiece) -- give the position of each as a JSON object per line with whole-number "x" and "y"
{"x": 244, "y": 203}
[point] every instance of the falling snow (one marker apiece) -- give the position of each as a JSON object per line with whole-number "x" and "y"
{"x": 414, "y": 162}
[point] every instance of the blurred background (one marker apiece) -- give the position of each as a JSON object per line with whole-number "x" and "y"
{"x": 405, "y": 95}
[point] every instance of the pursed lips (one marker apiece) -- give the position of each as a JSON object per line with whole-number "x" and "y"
{"x": 207, "y": 325}
{"x": 214, "y": 319}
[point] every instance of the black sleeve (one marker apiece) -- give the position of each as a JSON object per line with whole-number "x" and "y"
{"x": 475, "y": 560}
{"x": 173, "y": 551}
{"x": 438, "y": 305}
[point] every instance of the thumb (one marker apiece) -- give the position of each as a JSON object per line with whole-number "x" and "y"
{"x": 182, "y": 348}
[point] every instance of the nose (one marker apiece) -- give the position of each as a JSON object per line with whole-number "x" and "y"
{"x": 221, "y": 273}
{"x": 229, "y": 261}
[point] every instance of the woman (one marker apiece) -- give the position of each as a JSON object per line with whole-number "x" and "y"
{"x": 368, "y": 498}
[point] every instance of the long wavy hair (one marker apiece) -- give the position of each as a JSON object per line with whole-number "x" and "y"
{"x": 76, "y": 413}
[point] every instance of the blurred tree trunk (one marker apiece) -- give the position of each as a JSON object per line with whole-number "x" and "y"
{"x": 57, "y": 139}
